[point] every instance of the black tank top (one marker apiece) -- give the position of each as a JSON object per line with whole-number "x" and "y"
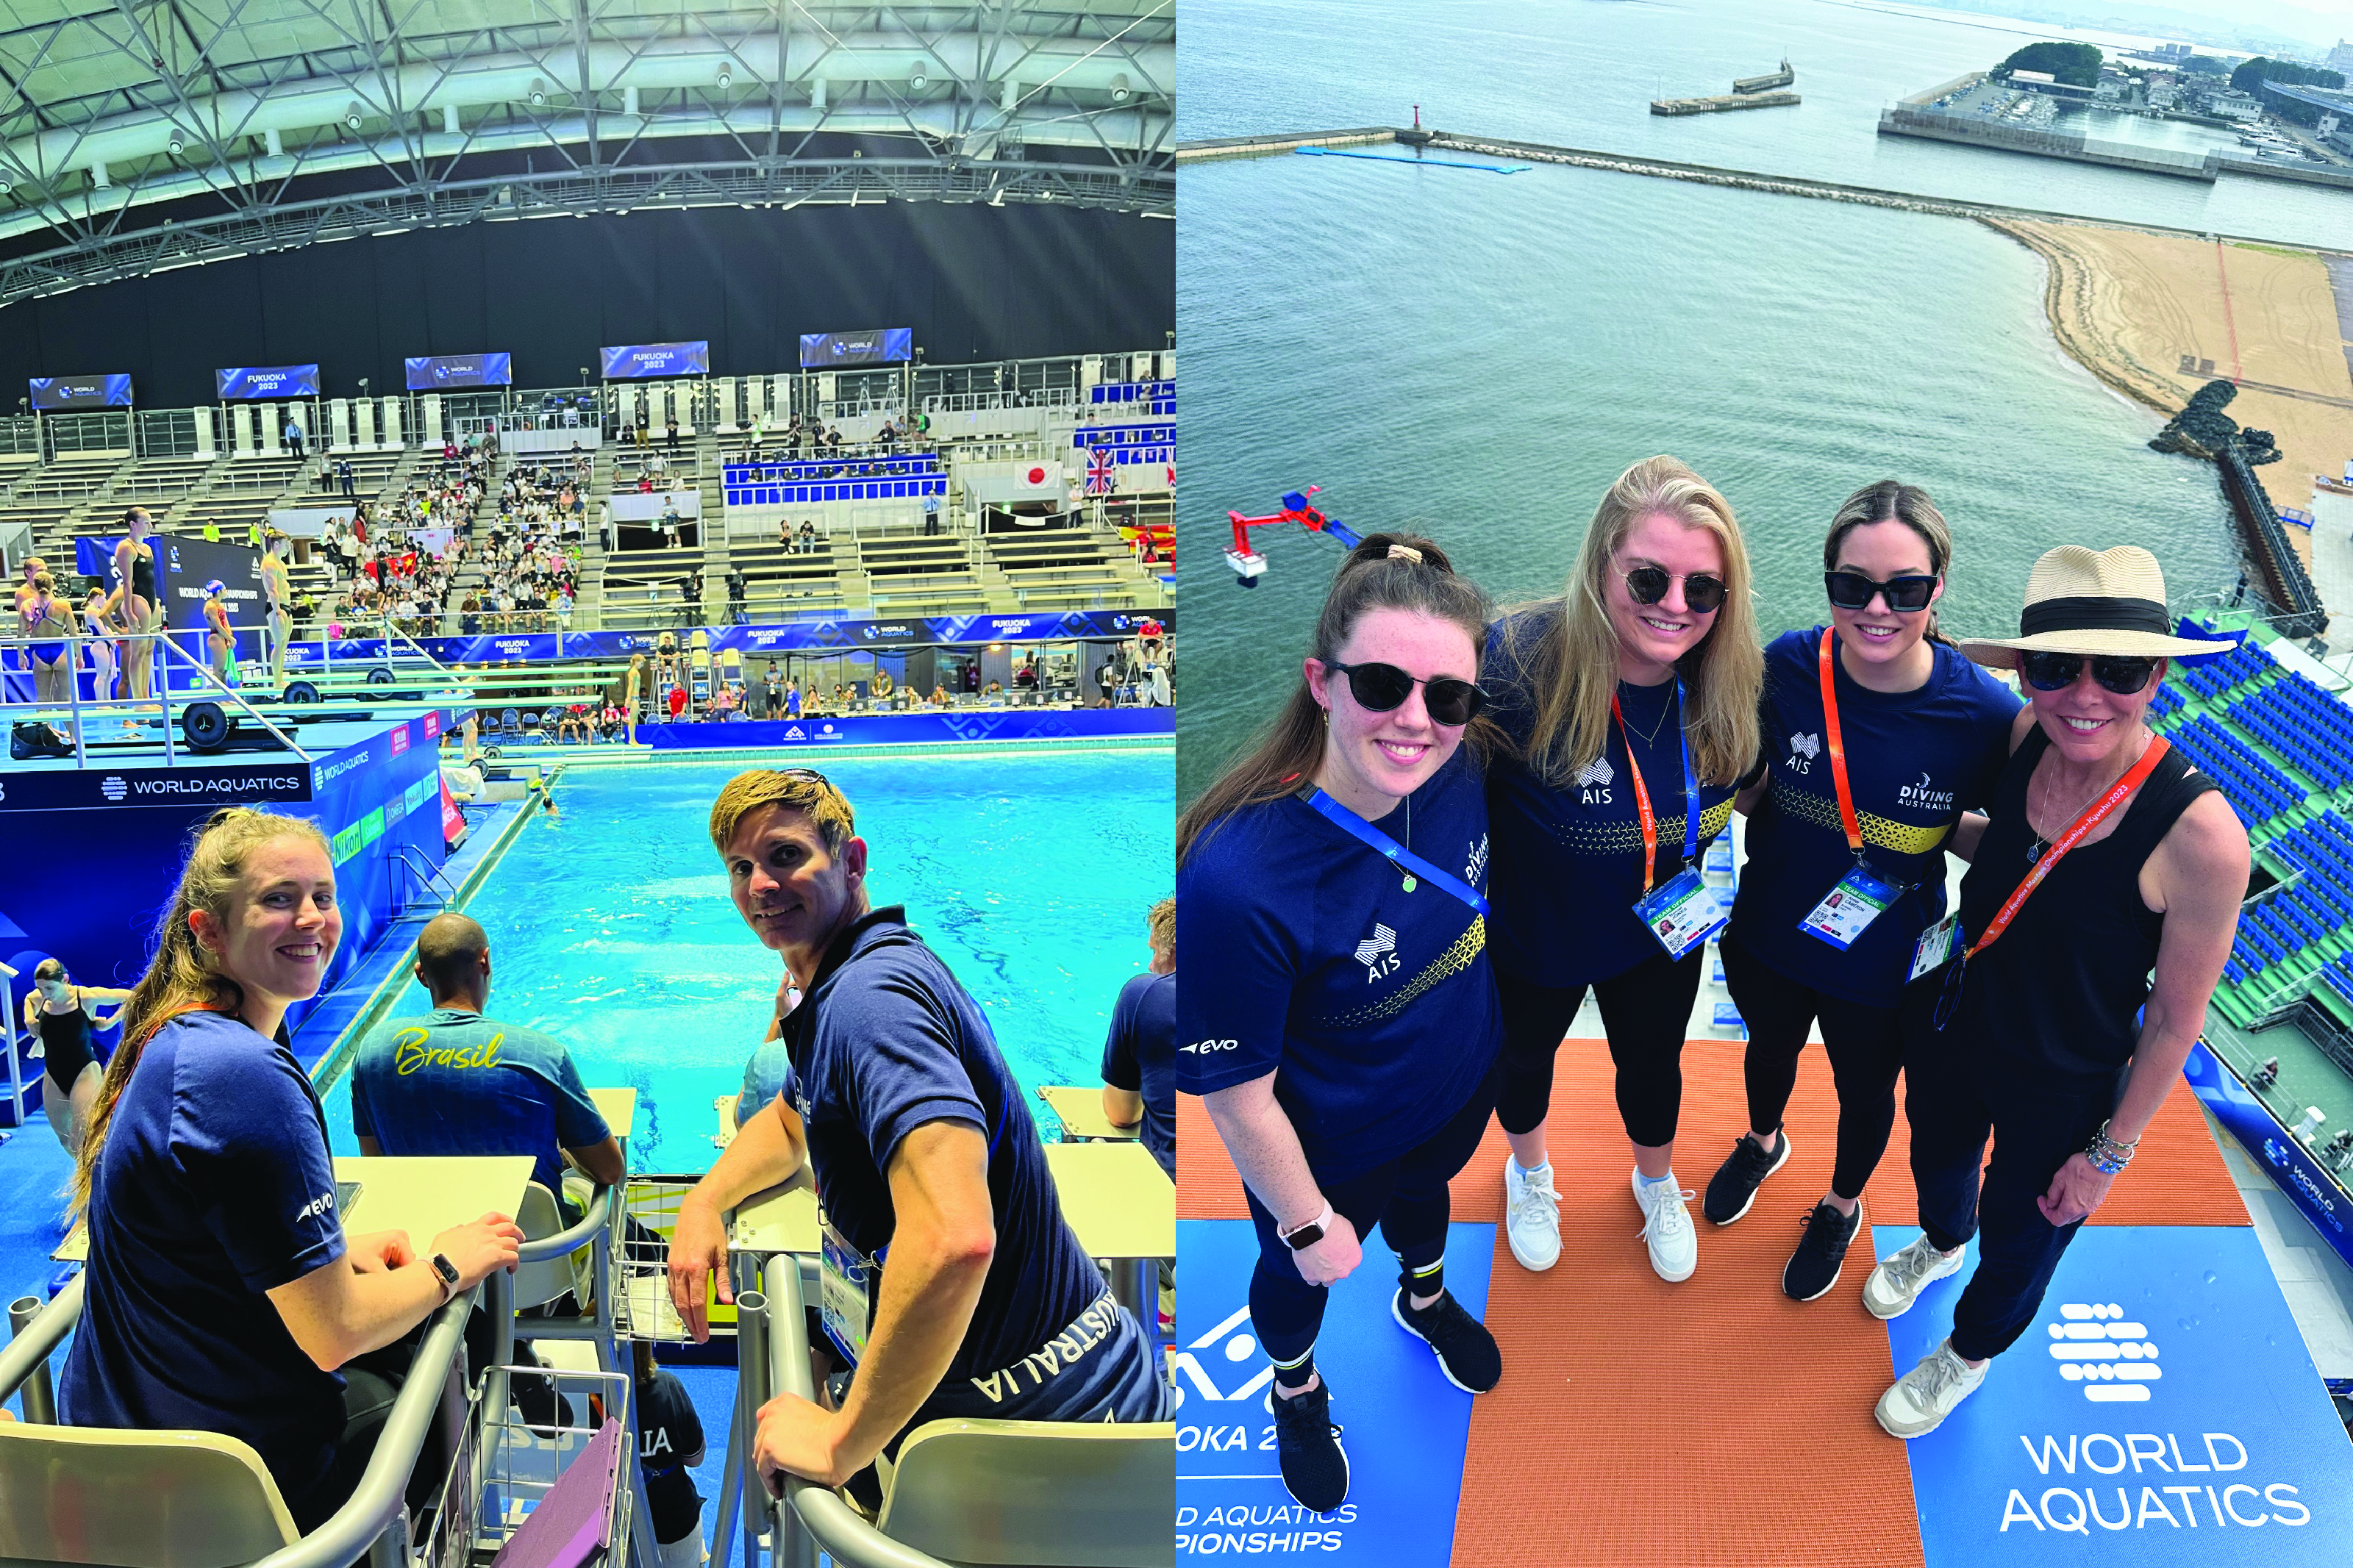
{"x": 2061, "y": 991}
{"x": 65, "y": 1043}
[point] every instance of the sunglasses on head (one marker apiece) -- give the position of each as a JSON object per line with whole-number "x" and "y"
{"x": 1382, "y": 687}
{"x": 2057, "y": 671}
{"x": 1702, "y": 595}
{"x": 1854, "y": 591}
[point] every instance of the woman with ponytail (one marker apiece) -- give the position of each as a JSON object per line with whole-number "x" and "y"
{"x": 1878, "y": 736}
{"x": 1331, "y": 889}
{"x": 223, "y": 1295}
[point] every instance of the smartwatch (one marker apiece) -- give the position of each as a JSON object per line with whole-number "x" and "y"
{"x": 447, "y": 1272}
{"x": 1306, "y": 1235}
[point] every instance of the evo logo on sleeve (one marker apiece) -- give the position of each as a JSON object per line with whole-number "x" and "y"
{"x": 322, "y": 1205}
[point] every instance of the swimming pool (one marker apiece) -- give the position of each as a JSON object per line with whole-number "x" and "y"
{"x": 611, "y": 929}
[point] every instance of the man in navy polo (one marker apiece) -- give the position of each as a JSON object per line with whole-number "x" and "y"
{"x": 950, "y": 1280}
{"x": 1139, "y": 1062}
{"x": 455, "y": 1082}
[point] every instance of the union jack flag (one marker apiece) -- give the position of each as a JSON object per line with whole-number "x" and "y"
{"x": 1101, "y": 480}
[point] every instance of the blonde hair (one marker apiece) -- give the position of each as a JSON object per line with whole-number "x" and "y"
{"x": 1569, "y": 659}
{"x": 1161, "y": 924}
{"x": 795, "y": 789}
{"x": 182, "y": 976}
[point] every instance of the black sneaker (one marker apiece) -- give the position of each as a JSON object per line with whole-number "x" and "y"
{"x": 1733, "y": 1186}
{"x": 1814, "y": 1267}
{"x": 1466, "y": 1351}
{"x": 1307, "y": 1449}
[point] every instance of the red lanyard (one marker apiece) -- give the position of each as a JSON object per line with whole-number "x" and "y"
{"x": 2093, "y": 816}
{"x": 1641, "y": 796}
{"x": 1838, "y": 753}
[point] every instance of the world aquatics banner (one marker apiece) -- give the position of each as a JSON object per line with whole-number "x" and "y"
{"x": 884, "y": 345}
{"x": 637, "y": 359}
{"x": 269, "y": 380}
{"x": 82, "y": 392}
{"x": 794, "y": 637}
{"x": 433, "y": 372}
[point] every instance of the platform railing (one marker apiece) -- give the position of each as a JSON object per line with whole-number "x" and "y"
{"x": 80, "y": 714}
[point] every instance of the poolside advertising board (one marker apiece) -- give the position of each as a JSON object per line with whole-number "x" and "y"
{"x": 793, "y": 636}
{"x": 435, "y": 373}
{"x": 129, "y": 825}
{"x": 239, "y": 381}
{"x": 2292, "y": 1167}
{"x": 635, "y": 361}
{"x": 60, "y": 392}
{"x": 914, "y": 728}
{"x": 882, "y": 345}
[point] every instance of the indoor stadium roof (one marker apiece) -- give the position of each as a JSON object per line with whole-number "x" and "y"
{"x": 146, "y": 134}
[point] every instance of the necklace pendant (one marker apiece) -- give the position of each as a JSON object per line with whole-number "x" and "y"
{"x": 1411, "y": 883}
{"x": 2034, "y": 852}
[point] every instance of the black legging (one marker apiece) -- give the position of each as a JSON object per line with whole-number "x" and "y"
{"x": 1646, "y": 1012}
{"x": 1407, "y": 1197}
{"x": 1866, "y": 1046}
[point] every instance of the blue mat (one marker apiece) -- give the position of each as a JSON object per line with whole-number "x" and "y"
{"x": 2084, "y": 1445}
{"x": 1406, "y": 1426}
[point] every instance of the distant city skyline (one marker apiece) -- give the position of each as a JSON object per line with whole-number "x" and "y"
{"x": 2239, "y": 24}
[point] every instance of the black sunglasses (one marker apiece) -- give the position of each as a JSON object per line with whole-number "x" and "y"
{"x": 1380, "y": 688}
{"x": 2057, "y": 671}
{"x": 1854, "y": 591}
{"x": 1702, "y": 595}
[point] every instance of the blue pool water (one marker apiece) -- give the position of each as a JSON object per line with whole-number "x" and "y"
{"x": 610, "y": 925}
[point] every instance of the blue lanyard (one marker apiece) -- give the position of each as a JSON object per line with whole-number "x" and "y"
{"x": 1390, "y": 849}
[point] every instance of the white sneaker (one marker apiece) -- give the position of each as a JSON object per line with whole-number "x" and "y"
{"x": 1532, "y": 1214}
{"x": 1896, "y": 1284}
{"x": 1667, "y": 1226}
{"x": 1923, "y": 1398}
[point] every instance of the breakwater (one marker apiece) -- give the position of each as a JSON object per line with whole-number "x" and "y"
{"x": 1669, "y": 169}
{"x": 1723, "y": 102}
{"x": 2077, "y": 149}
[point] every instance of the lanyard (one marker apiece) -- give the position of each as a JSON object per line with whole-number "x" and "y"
{"x": 1390, "y": 849}
{"x": 1837, "y": 740}
{"x": 2092, "y": 817}
{"x": 1650, "y": 822}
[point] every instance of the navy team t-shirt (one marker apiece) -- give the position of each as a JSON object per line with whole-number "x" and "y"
{"x": 886, "y": 1041}
{"x": 214, "y": 1187}
{"x": 454, "y": 1082}
{"x": 1372, "y": 1007}
{"x": 1140, "y": 1056}
{"x": 1569, "y": 860}
{"x": 1916, "y": 761}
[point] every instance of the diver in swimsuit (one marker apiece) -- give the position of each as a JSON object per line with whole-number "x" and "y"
{"x": 142, "y": 609}
{"x": 40, "y": 616}
{"x": 220, "y": 643}
{"x": 61, "y": 1013}
{"x": 275, "y": 588}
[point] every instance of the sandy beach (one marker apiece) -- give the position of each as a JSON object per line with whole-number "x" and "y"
{"x": 2128, "y": 305}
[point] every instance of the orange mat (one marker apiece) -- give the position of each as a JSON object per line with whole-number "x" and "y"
{"x": 1644, "y": 1424}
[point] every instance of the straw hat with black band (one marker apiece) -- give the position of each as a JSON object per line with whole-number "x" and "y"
{"x": 2096, "y": 602}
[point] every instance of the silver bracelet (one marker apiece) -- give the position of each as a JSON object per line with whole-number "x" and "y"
{"x": 2108, "y": 1156}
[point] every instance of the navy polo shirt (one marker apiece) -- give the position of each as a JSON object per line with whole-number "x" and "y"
{"x": 886, "y": 1041}
{"x": 669, "y": 1444}
{"x": 1568, "y": 860}
{"x": 1372, "y": 1007}
{"x": 454, "y": 1082}
{"x": 1916, "y": 761}
{"x": 1140, "y": 1056}
{"x": 214, "y": 1187}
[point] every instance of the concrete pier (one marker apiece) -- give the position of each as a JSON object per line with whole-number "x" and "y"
{"x": 1262, "y": 146}
{"x": 1717, "y": 105}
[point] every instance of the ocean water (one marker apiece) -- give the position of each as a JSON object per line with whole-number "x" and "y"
{"x": 1477, "y": 356}
{"x": 611, "y": 927}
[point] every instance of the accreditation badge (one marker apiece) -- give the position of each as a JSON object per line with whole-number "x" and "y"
{"x": 844, "y": 1293}
{"x": 1935, "y": 945}
{"x": 1681, "y": 912}
{"x": 1847, "y": 910}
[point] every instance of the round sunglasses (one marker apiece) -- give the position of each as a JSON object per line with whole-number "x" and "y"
{"x": 1383, "y": 688}
{"x": 1854, "y": 591}
{"x": 2057, "y": 671}
{"x": 1702, "y": 595}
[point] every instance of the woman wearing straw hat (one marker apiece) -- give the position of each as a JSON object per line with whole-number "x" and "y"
{"x": 2106, "y": 855}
